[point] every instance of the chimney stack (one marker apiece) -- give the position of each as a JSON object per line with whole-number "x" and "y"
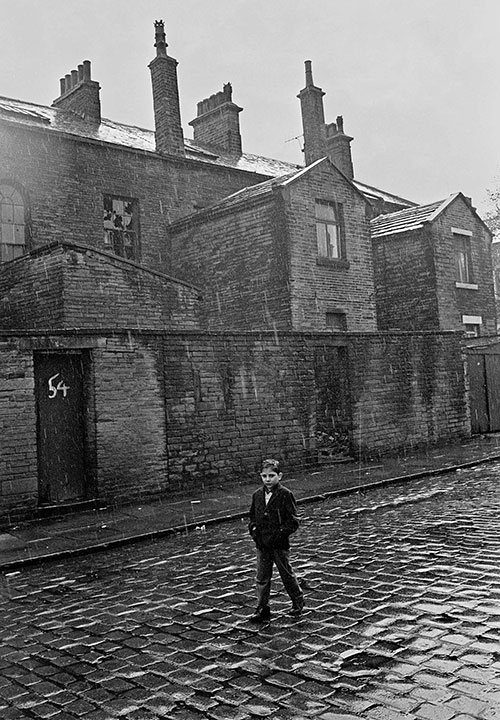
{"x": 338, "y": 145}
{"x": 313, "y": 118}
{"x": 168, "y": 128}
{"x": 217, "y": 122}
{"x": 80, "y": 94}
{"x": 320, "y": 139}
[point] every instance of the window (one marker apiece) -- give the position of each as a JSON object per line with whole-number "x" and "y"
{"x": 336, "y": 321}
{"x": 121, "y": 227}
{"x": 463, "y": 257}
{"x": 472, "y": 325}
{"x": 329, "y": 230}
{"x": 12, "y": 224}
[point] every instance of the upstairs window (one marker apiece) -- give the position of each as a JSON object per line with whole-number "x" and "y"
{"x": 121, "y": 227}
{"x": 12, "y": 224}
{"x": 463, "y": 257}
{"x": 329, "y": 233}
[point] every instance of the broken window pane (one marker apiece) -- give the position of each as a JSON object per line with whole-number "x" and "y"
{"x": 12, "y": 224}
{"x": 120, "y": 227}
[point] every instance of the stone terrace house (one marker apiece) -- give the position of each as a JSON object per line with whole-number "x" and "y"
{"x": 292, "y": 253}
{"x": 171, "y": 310}
{"x": 433, "y": 269}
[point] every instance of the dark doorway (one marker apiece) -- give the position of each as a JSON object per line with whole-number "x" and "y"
{"x": 59, "y": 384}
{"x": 333, "y": 406}
{"x": 484, "y": 388}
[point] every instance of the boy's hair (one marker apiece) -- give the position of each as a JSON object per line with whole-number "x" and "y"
{"x": 272, "y": 464}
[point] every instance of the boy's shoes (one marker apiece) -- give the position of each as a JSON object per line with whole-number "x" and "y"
{"x": 297, "y": 607}
{"x": 261, "y": 614}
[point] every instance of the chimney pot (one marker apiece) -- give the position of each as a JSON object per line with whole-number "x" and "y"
{"x": 160, "y": 39}
{"x": 309, "y": 74}
{"x": 86, "y": 70}
{"x": 79, "y": 94}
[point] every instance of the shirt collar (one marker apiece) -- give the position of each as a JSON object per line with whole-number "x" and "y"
{"x": 270, "y": 490}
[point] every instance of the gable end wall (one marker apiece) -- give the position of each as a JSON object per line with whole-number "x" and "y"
{"x": 316, "y": 287}
{"x": 455, "y": 302}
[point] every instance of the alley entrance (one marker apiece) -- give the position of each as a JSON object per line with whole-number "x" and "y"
{"x": 333, "y": 405}
{"x": 484, "y": 383}
{"x": 59, "y": 386}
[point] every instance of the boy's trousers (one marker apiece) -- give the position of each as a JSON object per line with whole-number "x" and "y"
{"x": 265, "y": 559}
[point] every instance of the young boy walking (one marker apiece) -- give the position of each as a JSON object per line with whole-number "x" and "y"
{"x": 273, "y": 518}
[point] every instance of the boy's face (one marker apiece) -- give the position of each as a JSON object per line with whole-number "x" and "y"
{"x": 270, "y": 477}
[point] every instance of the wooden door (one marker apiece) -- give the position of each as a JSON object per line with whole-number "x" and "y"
{"x": 59, "y": 383}
{"x": 478, "y": 394}
{"x": 493, "y": 390}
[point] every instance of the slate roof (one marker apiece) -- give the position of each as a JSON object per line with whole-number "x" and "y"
{"x": 241, "y": 197}
{"x": 408, "y": 219}
{"x": 128, "y": 136}
{"x": 375, "y": 193}
{"x": 254, "y": 193}
{"x": 64, "y": 122}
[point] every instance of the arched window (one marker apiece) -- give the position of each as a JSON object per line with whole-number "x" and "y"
{"x": 12, "y": 223}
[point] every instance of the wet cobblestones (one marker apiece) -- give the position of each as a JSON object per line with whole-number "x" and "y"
{"x": 402, "y": 621}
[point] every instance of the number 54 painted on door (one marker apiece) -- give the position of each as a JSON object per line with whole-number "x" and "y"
{"x": 60, "y": 387}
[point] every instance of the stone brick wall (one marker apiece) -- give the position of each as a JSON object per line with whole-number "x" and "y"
{"x": 234, "y": 399}
{"x": 257, "y": 262}
{"x": 69, "y": 286}
{"x": 18, "y": 451}
{"x": 31, "y": 293}
{"x": 82, "y": 99}
{"x": 408, "y": 390}
{"x": 176, "y": 412}
{"x": 405, "y": 281}
{"x": 65, "y": 180}
{"x": 229, "y": 399}
{"x": 239, "y": 259}
{"x": 131, "y": 448}
{"x": 454, "y": 301}
{"x": 415, "y": 275}
{"x": 318, "y": 285}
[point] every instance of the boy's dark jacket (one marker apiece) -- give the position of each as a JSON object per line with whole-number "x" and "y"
{"x": 271, "y": 525}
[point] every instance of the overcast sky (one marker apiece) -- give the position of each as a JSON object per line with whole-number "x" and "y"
{"x": 417, "y": 81}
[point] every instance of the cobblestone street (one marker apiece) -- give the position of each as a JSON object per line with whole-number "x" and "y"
{"x": 402, "y": 618}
